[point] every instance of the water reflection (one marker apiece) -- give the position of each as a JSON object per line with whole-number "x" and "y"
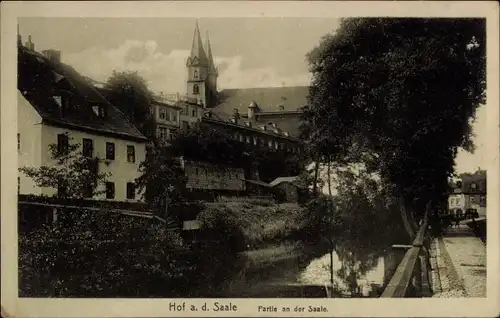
{"x": 359, "y": 271}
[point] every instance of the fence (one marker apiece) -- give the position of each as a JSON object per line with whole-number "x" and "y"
{"x": 412, "y": 276}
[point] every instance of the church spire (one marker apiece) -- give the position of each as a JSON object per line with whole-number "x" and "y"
{"x": 211, "y": 64}
{"x": 198, "y": 55}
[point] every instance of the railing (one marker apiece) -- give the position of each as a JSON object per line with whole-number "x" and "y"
{"x": 412, "y": 276}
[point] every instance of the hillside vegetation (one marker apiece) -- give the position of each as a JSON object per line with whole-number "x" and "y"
{"x": 252, "y": 223}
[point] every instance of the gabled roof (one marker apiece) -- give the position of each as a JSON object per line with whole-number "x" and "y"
{"x": 259, "y": 183}
{"x": 40, "y": 79}
{"x": 294, "y": 180}
{"x": 268, "y": 99}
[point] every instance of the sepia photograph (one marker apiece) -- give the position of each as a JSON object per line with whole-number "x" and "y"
{"x": 263, "y": 157}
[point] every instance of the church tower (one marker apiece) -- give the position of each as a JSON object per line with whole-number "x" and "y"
{"x": 202, "y": 74}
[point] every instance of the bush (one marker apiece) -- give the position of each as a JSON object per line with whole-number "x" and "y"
{"x": 100, "y": 254}
{"x": 252, "y": 224}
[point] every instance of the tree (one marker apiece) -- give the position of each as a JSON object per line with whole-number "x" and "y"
{"x": 72, "y": 174}
{"x": 161, "y": 178}
{"x": 129, "y": 92}
{"x": 398, "y": 94}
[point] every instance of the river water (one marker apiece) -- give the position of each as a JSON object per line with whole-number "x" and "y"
{"x": 297, "y": 270}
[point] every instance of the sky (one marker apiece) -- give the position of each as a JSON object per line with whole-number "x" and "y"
{"x": 249, "y": 52}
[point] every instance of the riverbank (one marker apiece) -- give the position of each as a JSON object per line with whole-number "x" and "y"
{"x": 252, "y": 224}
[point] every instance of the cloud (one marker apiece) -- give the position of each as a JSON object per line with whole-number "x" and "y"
{"x": 167, "y": 72}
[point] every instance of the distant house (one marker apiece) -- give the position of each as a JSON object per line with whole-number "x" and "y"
{"x": 286, "y": 189}
{"x": 56, "y": 104}
{"x": 292, "y": 187}
{"x": 469, "y": 195}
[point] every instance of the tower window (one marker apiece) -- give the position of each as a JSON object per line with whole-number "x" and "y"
{"x": 195, "y": 74}
{"x": 196, "y": 89}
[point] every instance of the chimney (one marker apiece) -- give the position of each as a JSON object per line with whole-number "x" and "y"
{"x": 30, "y": 45}
{"x": 53, "y": 55}
{"x": 19, "y": 39}
{"x": 236, "y": 116}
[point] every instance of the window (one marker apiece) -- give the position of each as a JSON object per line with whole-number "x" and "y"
{"x": 88, "y": 147}
{"x": 186, "y": 110}
{"x": 173, "y": 116}
{"x": 130, "y": 190}
{"x": 185, "y": 126}
{"x": 110, "y": 190}
{"x": 195, "y": 112}
{"x": 61, "y": 190}
{"x": 248, "y": 140}
{"x": 99, "y": 111}
{"x": 88, "y": 191}
{"x": 241, "y": 137}
{"x": 161, "y": 133}
{"x": 110, "y": 151}
{"x": 196, "y": 89}
{"x": 18, "y": 142}
{"x": 131, "y": 154}
{"x": 195, "y": 74}
{"x": 473, "y": 186}
{"x": 173, "y": 133}
{"x": 255, "y": 141}
{"x": 270, "y": 143}
{"x": 162, "y": 114}
{"x": 18, "y": 185}
{"x": 62, "y": 143}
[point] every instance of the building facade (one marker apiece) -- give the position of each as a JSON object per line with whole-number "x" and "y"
{"x": 56, "y": 106}
{"x": 206, "y": 176}
{"x": 469, "y": 195}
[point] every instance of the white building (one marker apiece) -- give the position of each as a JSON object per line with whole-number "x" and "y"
{"x": 55, "y": 100}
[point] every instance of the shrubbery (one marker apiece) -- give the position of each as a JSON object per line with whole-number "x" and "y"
{"x": 247, "y": 224}
{"x": 98, "y": 254}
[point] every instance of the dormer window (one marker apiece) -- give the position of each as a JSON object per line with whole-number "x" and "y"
{"x": 99, "y": 110}
{"x": 281, "y": 107}
{"x": 58, "y": 100}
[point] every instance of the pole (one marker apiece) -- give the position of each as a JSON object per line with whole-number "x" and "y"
{"x": 331, "y": 266}
{"x": 331, "y": 243}
{"x": 166, "y": 210}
